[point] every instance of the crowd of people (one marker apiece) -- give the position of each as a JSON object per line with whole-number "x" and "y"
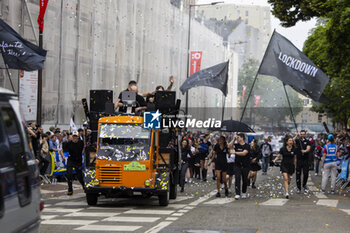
{"x": 228, "y": 155}
{"x": 58, "y": 141}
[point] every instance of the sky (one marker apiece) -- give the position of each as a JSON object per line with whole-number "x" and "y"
{"x": 297, "y": 34}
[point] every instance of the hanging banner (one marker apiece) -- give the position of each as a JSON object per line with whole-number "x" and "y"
{"x": 196, "y": 59}
{"x": 28, "y": 94}
{"x": 243, "y": 92}
{"x": 257, "y": 100}
{"x": 43, "y": 5}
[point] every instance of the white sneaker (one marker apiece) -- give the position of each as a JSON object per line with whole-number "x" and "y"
{"x": 190, "y": 180}
{"x": 245, "y": 195}
{"x": 186, "y": 180}
{"x": 287, "y": 195}
{"x": 237, "y": 197}
{"x": 222, "y": 186}
{"x": 229, "y": 191}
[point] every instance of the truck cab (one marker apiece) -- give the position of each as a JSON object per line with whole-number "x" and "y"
{"x": 132, "y": 160}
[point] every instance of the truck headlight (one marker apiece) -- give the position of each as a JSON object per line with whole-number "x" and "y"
{"x": 147, "y": 183}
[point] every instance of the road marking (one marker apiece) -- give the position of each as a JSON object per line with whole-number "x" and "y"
{"x": 346, "y": 211}
{"x": 275, "y": 202}
{"x": 327, "y": 202}
{"x": 177, "y": 206}
{"x": 75, "y": 196}
{"x": 91, "y": 214}
{"x": 188, "y": 207}
{"x": 320, "y": 195}
{"x": 72, "y": 203}
{"x": 60, "y": 210}
{"x": 183, "y": 211}
{"x": 47, "y": 217}
{"x": 219, "y": 201}
{"x": 107, "y": 228}
{"x": 47, "y": 205}
{"x": 177, "y": 214}
{"x": 159, "y": 227}
{"x": 67, "y": 222}
{"x": 201, "y": 199}
{"x": 181, "y": 198}
{"x": 171, "y": 219}
{"x": 143, "y": 211}
{"x": 131, "y": 219}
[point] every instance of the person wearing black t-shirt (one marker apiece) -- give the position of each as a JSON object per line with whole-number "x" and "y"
{"x": 220, "y": 153}
{"x": 303, "y": 147}
{"x": 288, "y": 152}
{"x": 75, "y": 149}
{"x": 186, "y": 155}
{"x": 140, "y": 101}
{"x": 242, "y": 165}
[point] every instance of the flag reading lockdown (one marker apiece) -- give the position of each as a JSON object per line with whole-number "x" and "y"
{"x": 215, "y": 76}
{"x": 284, "y": 61}
{"x": 19, "y": 53}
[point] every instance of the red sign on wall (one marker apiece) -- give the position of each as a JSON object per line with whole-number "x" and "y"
{"x": 196, "y": 58}
{"x": 43, "y": 5}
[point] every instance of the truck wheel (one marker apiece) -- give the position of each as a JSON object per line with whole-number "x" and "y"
{"x": 91, "y": 198}
{"x": 164, "y": 198}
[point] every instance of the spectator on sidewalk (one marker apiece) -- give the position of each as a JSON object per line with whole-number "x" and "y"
{"x": 75, "y": 149}
{"x": 329, "y": 160}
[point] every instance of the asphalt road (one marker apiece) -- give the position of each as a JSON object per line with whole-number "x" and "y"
{"x": 198, "y": 210}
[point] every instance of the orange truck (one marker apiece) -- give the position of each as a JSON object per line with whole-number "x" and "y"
{"x": 132, "y": 160}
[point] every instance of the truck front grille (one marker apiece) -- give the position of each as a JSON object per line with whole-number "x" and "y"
{"x": 111, "y": 175}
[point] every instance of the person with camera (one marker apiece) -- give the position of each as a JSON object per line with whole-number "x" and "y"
{"x": 140, "y": 101}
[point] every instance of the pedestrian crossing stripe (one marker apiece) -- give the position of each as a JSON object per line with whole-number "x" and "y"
{"x": 60, "y": 210}
{"x": 108, "y": 228}
{"x": 274, "y": 202}
{"x": 219, "y": 201}
{"x": 47, "y": 217}
{"x": 131, "y": 219}
{"x": 91, "y": 214}
{"x": 68, "y": 222}
{"x": 144, "y": 211}
{"x": 159, "y": 227}
{"x": 327, "y": 202}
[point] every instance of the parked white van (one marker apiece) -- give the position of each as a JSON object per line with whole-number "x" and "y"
{"x": 20, "y": 200}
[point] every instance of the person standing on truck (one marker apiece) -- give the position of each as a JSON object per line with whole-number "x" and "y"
{"x": 75, "y": 149}
{"x": 186, "y": 155}
{"x": 140, "y": 101}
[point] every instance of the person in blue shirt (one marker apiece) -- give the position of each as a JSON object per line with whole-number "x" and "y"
{"x": 329, "y": 159}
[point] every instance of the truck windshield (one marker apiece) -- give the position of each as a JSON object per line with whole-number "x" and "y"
{"x": 123, "y": 142}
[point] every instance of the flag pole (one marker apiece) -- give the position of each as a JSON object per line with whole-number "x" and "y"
{"x": 290, "y": 107}
{"x": 223, "y": 107}
{"x": 256, "y": 77}
{"x": 8, "y": 73}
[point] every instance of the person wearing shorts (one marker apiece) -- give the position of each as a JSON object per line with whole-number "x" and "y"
{"x": 220, "y": 151}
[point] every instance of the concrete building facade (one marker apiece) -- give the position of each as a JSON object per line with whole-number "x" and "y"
{"x": 99, "y": 44}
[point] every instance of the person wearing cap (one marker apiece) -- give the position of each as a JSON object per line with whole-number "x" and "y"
{"x": 329, "y": 163}
{"x": 75, "y": 149}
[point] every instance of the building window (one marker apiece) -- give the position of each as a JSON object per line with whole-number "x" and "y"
{"x": 246, "y": 13}
{"x": 238, "y": 13}
{"x": 246, "y": 21}
{"x": 306, "y": 102}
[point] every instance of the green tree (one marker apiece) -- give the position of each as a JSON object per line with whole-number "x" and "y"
{"x": 327, "y": 46}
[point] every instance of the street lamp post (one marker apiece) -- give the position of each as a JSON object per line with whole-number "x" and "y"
{"x": 189, "y": 41}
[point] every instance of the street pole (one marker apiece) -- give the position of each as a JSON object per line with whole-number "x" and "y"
{"x": 40, "y": 85}
{"x": 188, "y": 53}
{"x": 189, "y": 42}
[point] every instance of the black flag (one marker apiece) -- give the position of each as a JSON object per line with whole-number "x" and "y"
{"x": 19, "y": 53}
{"x": 215, "y": 76}
{"x": 287, "y": 63}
